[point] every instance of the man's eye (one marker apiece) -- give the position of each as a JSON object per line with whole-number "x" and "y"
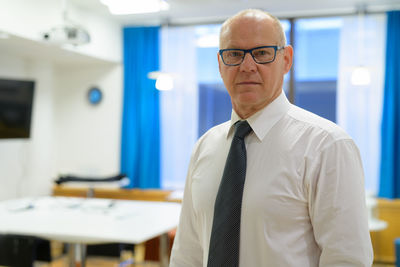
{"x": 261, "y": 53}
{"x": 235, "y": 54}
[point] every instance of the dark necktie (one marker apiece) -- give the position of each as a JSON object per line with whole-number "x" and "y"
{"x": 225, "y": 233}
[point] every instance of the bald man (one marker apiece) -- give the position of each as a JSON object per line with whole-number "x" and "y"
{"x": 303, "y": 202}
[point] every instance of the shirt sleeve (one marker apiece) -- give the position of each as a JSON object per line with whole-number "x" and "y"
{"x": 338, "y": 209}
{"x": 187, "y": 250}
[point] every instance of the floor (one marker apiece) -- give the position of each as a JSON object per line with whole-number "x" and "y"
{"x": 97, "y": 262}
{"x": 108, "y": 262}
{"x": 61, "y": 260}
{"x": 101, "y": 262}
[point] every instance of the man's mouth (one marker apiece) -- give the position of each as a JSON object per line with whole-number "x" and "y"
{"x": 247, "y": 83}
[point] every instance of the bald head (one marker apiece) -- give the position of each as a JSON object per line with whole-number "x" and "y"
{"x": 256, "y": 15}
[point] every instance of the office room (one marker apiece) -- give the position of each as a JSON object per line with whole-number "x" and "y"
{"x": 102, "y": 106}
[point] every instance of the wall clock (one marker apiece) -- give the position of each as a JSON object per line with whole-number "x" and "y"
{"x": 94, "y": 95}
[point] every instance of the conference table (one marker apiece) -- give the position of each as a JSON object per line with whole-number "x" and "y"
{"x": 84, "y": 221}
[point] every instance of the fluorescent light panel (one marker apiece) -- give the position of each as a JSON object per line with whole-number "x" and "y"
{"x": 125, "y": 7}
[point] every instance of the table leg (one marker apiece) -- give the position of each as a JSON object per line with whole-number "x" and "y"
{"x": 76, "y": 255}
{"x": 71, "y": 255}
{"x": 164, "y": 257}
{"x": 139, "y": 253}
{"x": 82, "y": 248}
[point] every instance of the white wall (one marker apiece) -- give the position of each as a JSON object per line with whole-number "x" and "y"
{"x": 89, "y": 136}
{"x": 26, "y": 165}
{"x": 67, "y": 135}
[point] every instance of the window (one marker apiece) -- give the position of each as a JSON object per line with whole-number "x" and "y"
{"x": 321, "y": 48}
{"x": 214, "y": 101}
{"x": 316, "y": 65}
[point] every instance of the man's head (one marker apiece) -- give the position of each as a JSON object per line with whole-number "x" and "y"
{"x": 251, "y": 85}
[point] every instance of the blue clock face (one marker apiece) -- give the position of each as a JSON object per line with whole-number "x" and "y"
{"x": 94, "y": 96}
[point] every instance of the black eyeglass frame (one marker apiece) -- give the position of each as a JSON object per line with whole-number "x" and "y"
{"x": 275, "y": 47}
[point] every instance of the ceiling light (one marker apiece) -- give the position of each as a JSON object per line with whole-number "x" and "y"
{"x": 360, "y": 76}
{"x": 164, "y": 80}
{"x": 124, "y": 7}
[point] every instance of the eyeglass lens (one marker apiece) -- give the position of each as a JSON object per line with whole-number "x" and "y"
{"x": 260, "y": 55}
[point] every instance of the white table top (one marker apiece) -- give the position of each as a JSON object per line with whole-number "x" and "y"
{"x": 88, "y": 221}
{"x": 374, "y": 223}
{"x": 377, "y": 225}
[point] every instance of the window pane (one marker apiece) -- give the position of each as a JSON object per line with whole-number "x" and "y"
{"x": 286, "y": 27}
{"x": 316, "y": 64}
{"x": 214, "y": 101}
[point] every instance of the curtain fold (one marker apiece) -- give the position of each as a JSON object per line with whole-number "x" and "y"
{"x": 140, "y": 142}
{"x": 390, "y": 144}
{"x": 359, "y": 108}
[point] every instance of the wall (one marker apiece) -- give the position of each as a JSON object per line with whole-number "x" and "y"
{"x": 67, "y": 135}
{"x": 27, "y": 164}
{"x": 89, "y": 136}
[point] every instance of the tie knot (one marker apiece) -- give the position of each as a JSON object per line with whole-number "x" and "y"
{"x": 242, "y": 128}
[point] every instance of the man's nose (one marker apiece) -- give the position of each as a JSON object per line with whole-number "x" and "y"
{"x": 248, "y": 64}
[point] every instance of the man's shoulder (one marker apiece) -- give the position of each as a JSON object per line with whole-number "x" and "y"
{"x": 314, "y": 123}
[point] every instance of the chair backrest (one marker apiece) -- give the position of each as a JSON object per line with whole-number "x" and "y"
{"x": 71, "y": 178}
{"x": 17, "y": 251}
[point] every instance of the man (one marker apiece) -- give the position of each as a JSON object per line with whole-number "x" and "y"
{"x": 303, "y": 202}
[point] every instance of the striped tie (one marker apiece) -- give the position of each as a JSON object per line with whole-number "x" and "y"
{"x": 225, "y": 234}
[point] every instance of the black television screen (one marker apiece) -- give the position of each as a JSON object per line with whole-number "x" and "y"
{"x": 16, "y": 97}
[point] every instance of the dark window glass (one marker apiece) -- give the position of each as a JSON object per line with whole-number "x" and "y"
{"x": 316, "y": 64}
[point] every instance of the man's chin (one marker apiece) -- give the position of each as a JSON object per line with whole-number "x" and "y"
{"x": 249, "y": 98}
{"x": 250, "y": 102}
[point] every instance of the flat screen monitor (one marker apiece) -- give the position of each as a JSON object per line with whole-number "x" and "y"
{"x": 16, "y": 99}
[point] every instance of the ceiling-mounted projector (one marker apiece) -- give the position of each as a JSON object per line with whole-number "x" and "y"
{"x": 67, "y": 34}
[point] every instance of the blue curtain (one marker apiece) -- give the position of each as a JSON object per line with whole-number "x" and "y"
{"x": 389, "y": 186}
{"x": 140, "y": 144}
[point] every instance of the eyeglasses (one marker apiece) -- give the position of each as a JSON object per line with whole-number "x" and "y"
{"x": 261, "y": 54}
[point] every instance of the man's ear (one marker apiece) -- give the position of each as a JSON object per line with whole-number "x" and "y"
{"x": 288, "y": 57}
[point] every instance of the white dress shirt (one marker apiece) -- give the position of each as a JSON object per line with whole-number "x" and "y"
{"x": 303, "y": 201}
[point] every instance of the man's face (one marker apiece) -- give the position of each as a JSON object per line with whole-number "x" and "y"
{"x": 253, "y": 86}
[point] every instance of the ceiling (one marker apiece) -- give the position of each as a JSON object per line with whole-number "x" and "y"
{"x": 204, "y": 11}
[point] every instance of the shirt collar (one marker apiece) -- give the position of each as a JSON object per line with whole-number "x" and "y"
{"x": 263, "y": 120}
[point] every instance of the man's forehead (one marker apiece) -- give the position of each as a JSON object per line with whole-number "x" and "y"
{"x": 249, "y": 31}
{"x": 246, "y": 23}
